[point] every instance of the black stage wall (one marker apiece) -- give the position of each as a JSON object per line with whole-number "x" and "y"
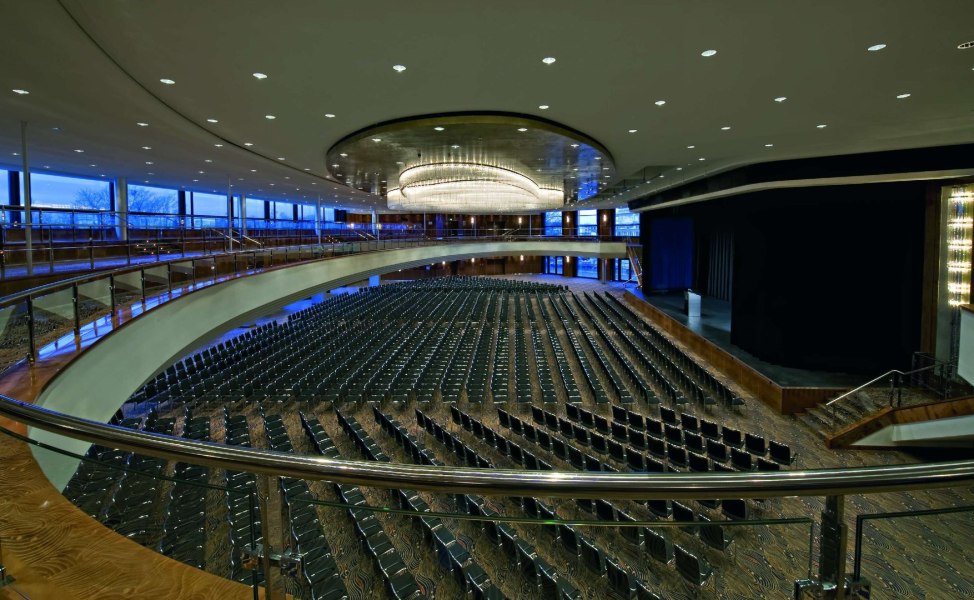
{"x": 823, "y": 278}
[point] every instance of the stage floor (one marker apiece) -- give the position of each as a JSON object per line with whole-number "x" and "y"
{"x": 714, "y": 324}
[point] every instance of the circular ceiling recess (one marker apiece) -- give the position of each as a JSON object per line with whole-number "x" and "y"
{"x": 472, "y": 163}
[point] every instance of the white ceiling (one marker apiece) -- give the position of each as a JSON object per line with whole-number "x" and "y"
{"x": 92, "y": 68}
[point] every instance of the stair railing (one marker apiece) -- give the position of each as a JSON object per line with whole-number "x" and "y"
{"x": 897, "y": 379}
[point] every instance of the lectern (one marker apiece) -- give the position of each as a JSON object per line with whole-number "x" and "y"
{"x": 691, "y": 303}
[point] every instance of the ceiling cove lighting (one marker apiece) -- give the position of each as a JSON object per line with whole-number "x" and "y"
{"x": 398, "y": 68}
{"x": 708, "y": 53}
{"x": 20, "y": 92}
{"x": 167, "y": 81}
{"x": 260, "y": 76}
{"x": 876, "y": 47}
{"x": 470, "y": 187}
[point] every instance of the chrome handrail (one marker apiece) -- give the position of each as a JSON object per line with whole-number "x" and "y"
{"x": 565, "y": 484}
{"x": 872, "y": 381}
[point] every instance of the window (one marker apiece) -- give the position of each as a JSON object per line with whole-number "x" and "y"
{"x": 209, "y": 210}
{"x": 552, "y": 223}
{"x": 255, "y": 214}
{"x": 4, "y": 187}
{"x": 588, "y": 267}
{"x": 282, "y": 214}
{"x": 329, "y": 216}
{"x": 66, "y": 195}
{"x": 588, "y": 224}
{"x": 554, "y": 265}
{"x": 627, "y": 223}
{"x": 160, "y": 201}
{"x": 624, "y": 270}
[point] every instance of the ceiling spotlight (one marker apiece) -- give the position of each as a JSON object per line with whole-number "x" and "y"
{"x": 690, "y": 147}
{"x": 543, "y": 106}
{"x": 574, "y": 145}
{"x": 280, "y": 158}
{"x": 780, "y": 99}
{"x": 248, "y": 143}
{"x": 398, "y": 68}
{"x": 902, "y": 96}
{"x": 141, "y": 124}
{"x": 78, "y": 150}
{"x": 196, "y": 180}
{"x": 253, "y": 170}
{"x": 522, "y": 129}
{"x": 343, "y": 155}
{"x": 821, "y": 126}
{"x": 769, "y": 145}
{"x": 270, "y": 117}
{"x": 725, "y": 128}
{"x": 708, "y": 53}
{"x": 167, "y": 81}
{"x": 218, "y": 145}
{"x": 146, "y": 148}
{"x": 660, "y": 102}
{"x": 633, "y": 130}
{"x": 438, "y": 128}
{"x": 260, "y": 76}
{"x": 148, "y": 162}
{"x": 548, "y": 60}
{"x": 212, "y": 121}
{"x": 376, "y": 139}
{"x": 701, "y": 158}
{"x": 876, "y": 47}
{"x": 21, "y": 92}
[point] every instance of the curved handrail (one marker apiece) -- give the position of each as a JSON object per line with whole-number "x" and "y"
{"x": 567, "y": 484}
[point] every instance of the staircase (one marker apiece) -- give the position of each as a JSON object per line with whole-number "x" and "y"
{"x": 634, "y": 252}
{"x": 823, "y": 420}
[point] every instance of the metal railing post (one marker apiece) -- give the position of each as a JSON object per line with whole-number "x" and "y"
{"x": 111, "y": 293}
{"x": 31, "y": 342}
{"x": 91, "y": 251}
{"x": 265, "y": 529}
{"x": 77, "y": 309}
{"x": 4, "y": 578}
{"x": 142, "y": 284}
{"x": 169, "y": 277}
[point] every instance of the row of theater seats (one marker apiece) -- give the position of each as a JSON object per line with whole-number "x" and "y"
{"x": 243, "y": 511}
{"x": 413, "y": 341}
{"x": 620, "y": 581}
{"x": 692, "y": 567}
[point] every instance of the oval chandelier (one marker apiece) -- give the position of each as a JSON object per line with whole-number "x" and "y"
{"x": 463, "y": 187}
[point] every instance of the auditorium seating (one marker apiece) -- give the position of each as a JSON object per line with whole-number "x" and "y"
{"x": 619, "y": 398}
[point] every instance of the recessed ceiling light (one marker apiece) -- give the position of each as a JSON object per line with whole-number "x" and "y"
{"x": 280, "y": 158}
{"x": 21, "y": 92}
{"x": 260, "y": 76}
{"x": 92, "y": 165}
{"x": 248, "y": 143}
{"x": 708, "y": 53}
{"x": 821, "y": 126}
{"x": 47, "y": 166}
{"x": 780, "y": 99}
{"x": 633, "y": 130}
{"x": 398, "y": 162}
{"x": 271, "y": 117}
{"x": 207, "y": 160}
{"x": 376, "y": 139}
{"x": 398, "y": 68}
{"x": 438, "y": 128}
{"x": 167, "y": 81}
{"x": 78, "y": 150}
{"x": 16, "y": 153}
{"x": 218, "y": 145}
{"x": 605, "y": 168}
{"x": 574, "y": 145}
{"x": 769, "y": 145}
{"x": 196, "y": 180}
{"x": 201, "y": 172}
{"x": 329, "y": 116}
{"x": 902, "y": 96}
{"x": 146, "y": 147}
{"x": 701, "y": 159}
{"x": 690, "y": 147}
{"x": 307, "y": 169}
{"x": 253, "y": 170}
{"x": 343, "y": 155}
{"x": 548, "y": 60}
{"x": 149, "y": 162}
{"x": 965, "y": 46}
{"x": 522, "y": 129}
{"x": 455, "y": 146}
{"x": 679, "y": 168}
{"x": 876, "y": 47}
{"x": 335, "y": 165}
{"x": 543, "y": 106}
{"x": 725, "y": 128}
{"x": 212, "y": 120}
{"x": 660, "y": 102}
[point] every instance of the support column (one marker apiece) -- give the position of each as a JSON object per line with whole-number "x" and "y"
{"x": 121, "y": 209}
{"x": 832, "y": 551}
{"x": 243, "y": 214}
{"x": 318, "y": 218}
{"x": 26, "y": 199}
{"x": 375, "y": 224}
{"x": 229, "y": 215}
